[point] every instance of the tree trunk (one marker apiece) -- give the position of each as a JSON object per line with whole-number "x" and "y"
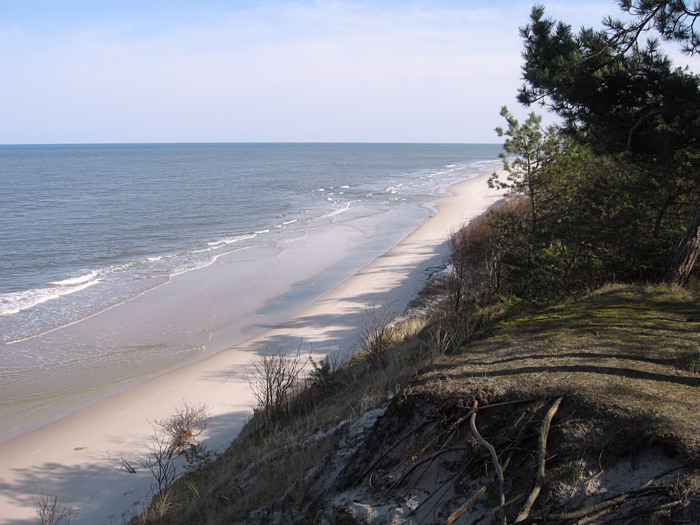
{"x": 686, "y": 254}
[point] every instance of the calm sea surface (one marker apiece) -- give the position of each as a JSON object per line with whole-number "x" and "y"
{"x": 87, "y": 227}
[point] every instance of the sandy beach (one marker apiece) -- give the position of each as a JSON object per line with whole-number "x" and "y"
{"x": 79, "y": 458}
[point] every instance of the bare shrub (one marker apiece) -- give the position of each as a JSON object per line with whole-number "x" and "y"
{"x": 50, "y": 512}
{"x": 474, "y": 260}
{"x": 273, "y": 377}
{"x": 184, "y": 425}
{"x": 376, "y": 333}
{"x": 161, "y": 462}
{"x": 172, "y": 436}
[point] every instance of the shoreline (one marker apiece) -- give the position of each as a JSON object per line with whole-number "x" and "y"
{"x": 78, "y": 458}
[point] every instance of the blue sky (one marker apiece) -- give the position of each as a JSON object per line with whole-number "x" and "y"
{"x": 224, "y": 71}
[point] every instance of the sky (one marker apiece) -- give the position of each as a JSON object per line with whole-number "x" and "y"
{"x": 264, "y": 71}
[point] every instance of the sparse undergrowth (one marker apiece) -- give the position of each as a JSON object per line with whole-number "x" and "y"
{"x": 621, "y": 360}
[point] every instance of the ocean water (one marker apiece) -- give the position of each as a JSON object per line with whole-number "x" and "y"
{"x": 84, "y": 228}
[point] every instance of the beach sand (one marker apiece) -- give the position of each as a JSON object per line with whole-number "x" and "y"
{"x": 79, "y": 459}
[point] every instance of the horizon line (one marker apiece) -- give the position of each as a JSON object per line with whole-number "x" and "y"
{"x": 239, "y": 142}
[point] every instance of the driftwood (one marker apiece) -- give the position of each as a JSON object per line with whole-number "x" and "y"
{"x": 127, "y": 466}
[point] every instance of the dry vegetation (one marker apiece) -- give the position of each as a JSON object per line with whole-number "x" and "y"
{"x": 367, "y": 443}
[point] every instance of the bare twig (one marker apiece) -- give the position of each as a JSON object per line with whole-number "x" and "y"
{"x": 398, "y": 442}
{"x": 184, "y": 425}
{"x": 429, "y": 459}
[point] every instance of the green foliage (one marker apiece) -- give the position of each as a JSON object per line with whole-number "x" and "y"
{"x": 616, "y": 96}
{"x": 533, "y": 149}
{"x": 673, "y": 19}
{"x": 322, "y": 376}
{"x": 609, "y": 195}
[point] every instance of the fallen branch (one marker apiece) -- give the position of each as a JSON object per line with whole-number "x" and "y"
{"x": 496, "y": 464}
{"x": 609, "y": 503}
{"x": 475, "y": 497}
{"x": 127, "y": 466}
{"x": 544, "y": 432}
{"x": 435, "y": 493}
{"x": 430, "y": 458}
{"x": 493, "y": 511}
{"x": 647, "y": 511}
{"x": 461, "y": 420}
{"x": 386, "y": 453}
{"x": 617, "y": 500}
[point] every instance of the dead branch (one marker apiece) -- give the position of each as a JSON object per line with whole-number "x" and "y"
{"x": 385, "y": 454}
{"x": 647, "y": 511}
{"x": 496, "y": 463}
{"x": 544, "y": 432}
{"x": 434, "y": 493}
{"x": 127, "y": 466}
{"x": 646, "y": 488}
{"x": 493, "y": 511}
{"x": 430, "y": 458}
{"x": 475, "y": 497}
{"x": 609, "y": 503}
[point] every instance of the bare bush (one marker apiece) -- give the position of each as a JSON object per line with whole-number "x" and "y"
{"x": 161, "y": 462}
{"x": 376, "y": 333}
{"x": 172, "y": 436}
{"x": 474, "y": 261}
{"x": 50, "y": 512}
{"x": 273, "y": 377}
{"x": 184, "y": 425}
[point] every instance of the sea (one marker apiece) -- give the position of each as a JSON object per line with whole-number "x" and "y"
{"x": 88, "y": 228}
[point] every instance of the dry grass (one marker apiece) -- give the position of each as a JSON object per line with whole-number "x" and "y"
{"x": 623, "y": 349}
{"x": 272, "y": 457}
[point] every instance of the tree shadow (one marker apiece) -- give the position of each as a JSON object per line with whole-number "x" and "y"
{"x": 591, "y": 369}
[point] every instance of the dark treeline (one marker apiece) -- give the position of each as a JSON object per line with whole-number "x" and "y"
{"x": 612, "y": 193}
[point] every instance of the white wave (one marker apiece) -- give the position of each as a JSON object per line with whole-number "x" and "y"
{"x": 213, "y": 246}
{"x": 231, "y": 240}
{"x": 76, "y": 281}
{"x": 337, "y": 212}
{"x": 346, "y": 187}
{"x": 15, "y": 302}
{"x": 286, "y": 223}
